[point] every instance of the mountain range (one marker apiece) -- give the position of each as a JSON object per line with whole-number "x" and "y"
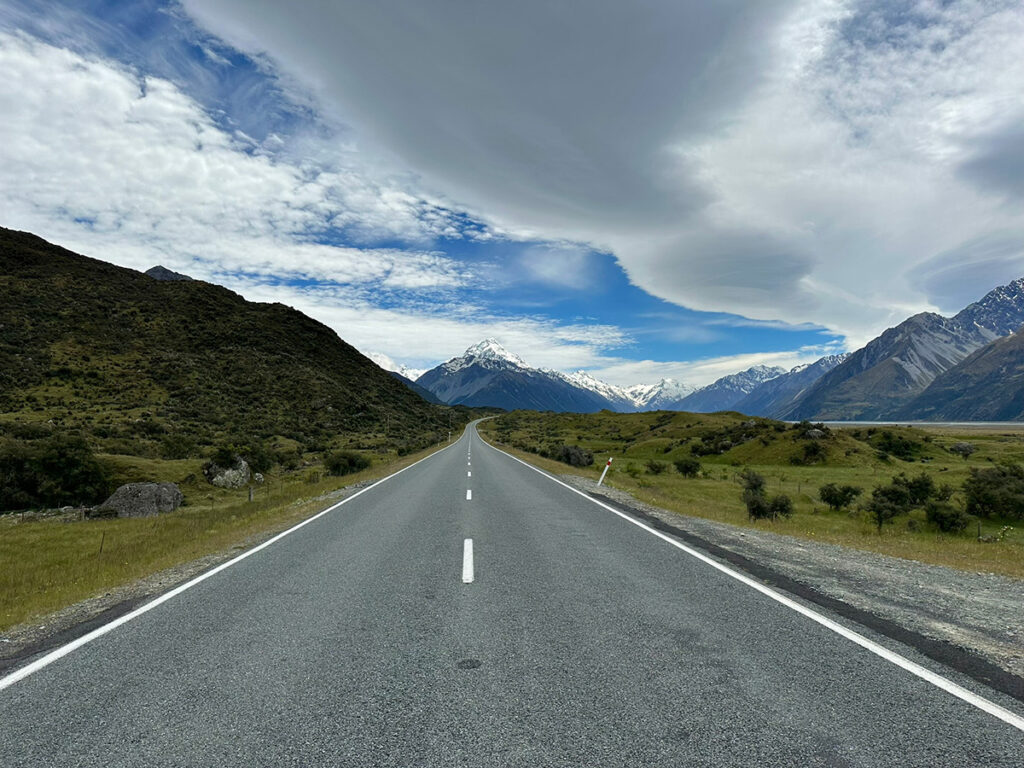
{"x": 967, "y": 366}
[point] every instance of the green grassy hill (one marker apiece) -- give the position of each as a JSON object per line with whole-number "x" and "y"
{"x": 132, "y": 363}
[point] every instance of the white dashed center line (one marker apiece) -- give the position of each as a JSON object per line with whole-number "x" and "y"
{"x": 467, "y": 561}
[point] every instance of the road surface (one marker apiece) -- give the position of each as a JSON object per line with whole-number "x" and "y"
{"x": 561, "y": 634}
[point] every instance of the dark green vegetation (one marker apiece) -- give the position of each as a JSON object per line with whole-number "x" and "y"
{"x": 939, "y": 495}
{"x": 53, "y": 471}
{"x": 133, "y": 366}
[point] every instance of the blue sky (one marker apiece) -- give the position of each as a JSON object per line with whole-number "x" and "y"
{"x": 673, "y": 192}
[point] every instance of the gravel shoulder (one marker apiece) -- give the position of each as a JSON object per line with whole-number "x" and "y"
{"x": 981, "y": 613}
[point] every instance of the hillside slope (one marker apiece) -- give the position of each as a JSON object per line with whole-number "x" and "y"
{"x": 986, "y": 386}
{"x": 876, "y": 381}
{"x": 777, "y": 396}
{"x": 125, "y": 357}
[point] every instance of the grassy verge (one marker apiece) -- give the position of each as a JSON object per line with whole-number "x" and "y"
{"x": 49, "y": 563}
{"x": 634, "y": 439}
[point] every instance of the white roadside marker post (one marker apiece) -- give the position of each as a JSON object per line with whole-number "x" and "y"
{"x": 605, "y": 472}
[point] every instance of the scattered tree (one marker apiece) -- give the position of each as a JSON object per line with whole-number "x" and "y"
{"x": 946, "y": 517}
{"x": 759, "y": 506}
{"x": 886, "y": 503}
{"x": 687, "y": 466}
{"x": 962, "y": 449}
{"x": 996, "y": 492}
{"x": 838, "y": 497}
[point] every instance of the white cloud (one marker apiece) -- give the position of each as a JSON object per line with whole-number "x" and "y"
{"x": 422, "y": 337}
{"x": 787, "y": 160}
{"x": 699, "y": 373}
{"x": 128, "y": 168}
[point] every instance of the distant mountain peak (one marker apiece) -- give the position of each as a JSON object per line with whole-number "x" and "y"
{"x": 488, "y": 351}
{"x": 163, "y": 273}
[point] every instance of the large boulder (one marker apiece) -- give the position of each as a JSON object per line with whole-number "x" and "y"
{"x": 143, "y": 499}
{"x": 236, "y": 476}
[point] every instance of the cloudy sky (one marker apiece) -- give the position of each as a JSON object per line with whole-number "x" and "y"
{"x": 640, "y": 189}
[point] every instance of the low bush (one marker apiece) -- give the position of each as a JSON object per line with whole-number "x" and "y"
{"x": 946, "y": 517}
{"x": 838, "y": 497}
{"x": 996, "y": 492}
{"x": 345, "y": 462}
{"x": 687, "y": 467}
{"x": 573, "y": 455}
{"x": 656, "y": 467}
{"x": 177, "y": 446}
{"x": 59, "y": 470}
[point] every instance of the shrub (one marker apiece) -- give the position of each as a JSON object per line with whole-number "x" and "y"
{"x": 946, "y": 517}
{"x": 53, "y": 472}
{"x": 345, "y": 462}
{"x": 838, "y": 496}
{"x": 760, "y": 507}
{"x": 996, "y": 492}
{"x": 752, "y": 481}
{"x": 919, "y": 489}
{"x": 886, "y": 503}
{"x": 687, "y": 467}
{"x": 780, "y": 506}
{"x": 177, "y": 446}
{"x": 897, "y": 445}
{"x": 259, "y": 457}
{"x": 573, "y": 455}
{"x": 962, "y": 449}
{"x": 633, "y": 470}
{"x": 224, "y": 456}
{"x": 656, "y": 467}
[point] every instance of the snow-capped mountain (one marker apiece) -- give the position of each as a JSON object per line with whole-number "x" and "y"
{"x": 723, "y": 394}
{"x": 618, "y": 397}
{"x": 487, "y": 374}
{"x": 655, "y": 397}
{"x": 488, "y": 353}
{"x": 639, "y": 397}
{"x": 776, "y": 396}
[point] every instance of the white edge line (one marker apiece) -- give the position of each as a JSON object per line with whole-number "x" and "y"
{"x": 64, "y": 650}
{"x": 467, "y": 561}
{"x": 879, "y": 650}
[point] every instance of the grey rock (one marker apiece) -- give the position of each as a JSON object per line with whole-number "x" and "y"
{"x": 144, "y": 499}
{"x": 236, "y": 476}
{"x": 814, "y": 434}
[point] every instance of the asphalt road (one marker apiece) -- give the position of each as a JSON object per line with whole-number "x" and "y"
{"x": 582, "y": 640}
